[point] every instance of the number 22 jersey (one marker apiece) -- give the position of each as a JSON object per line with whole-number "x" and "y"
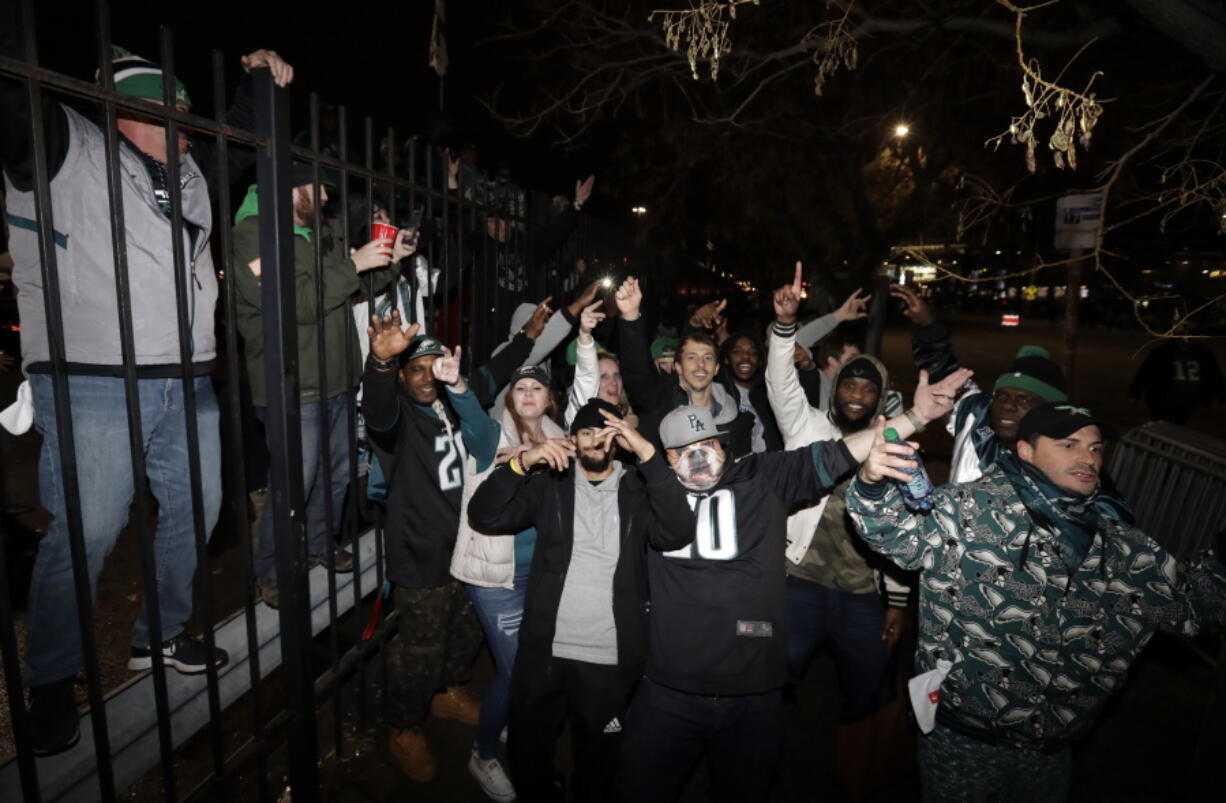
{"x": 718, "y": 607}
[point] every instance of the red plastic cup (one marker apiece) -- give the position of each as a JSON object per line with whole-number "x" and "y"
{"x": 384, "y": 231}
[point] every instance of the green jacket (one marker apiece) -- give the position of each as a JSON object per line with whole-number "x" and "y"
{"x": 1036, "y": 651}
{"x": 340, "y": 281}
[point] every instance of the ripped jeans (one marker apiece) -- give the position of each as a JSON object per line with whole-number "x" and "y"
{"x": 499, "y": 611}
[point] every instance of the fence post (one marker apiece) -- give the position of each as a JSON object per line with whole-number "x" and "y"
{"x": 283, "y": 426}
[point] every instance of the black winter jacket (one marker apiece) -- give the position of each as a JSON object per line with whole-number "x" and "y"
{"x": 654, "y": 512}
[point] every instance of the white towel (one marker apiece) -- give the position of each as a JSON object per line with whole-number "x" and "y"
{"x": 18, "y": 417}
{"x": 925, "y": 693}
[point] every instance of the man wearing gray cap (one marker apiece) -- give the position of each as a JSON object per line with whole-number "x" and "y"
{"x": 718, "y": 659}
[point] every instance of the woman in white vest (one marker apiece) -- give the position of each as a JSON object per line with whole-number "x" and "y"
{"x": 496, "y": 569}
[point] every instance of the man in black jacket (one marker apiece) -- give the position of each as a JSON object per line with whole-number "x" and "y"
{"x": 420, "y": 413}
{"x": 742, "y": 359}
{"x": 583, "y": 637}
{"x": 718, "y": 657}
{"x": 653, "y": 395}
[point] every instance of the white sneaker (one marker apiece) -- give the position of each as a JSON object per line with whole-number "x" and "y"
{"x": 490, "y": 776}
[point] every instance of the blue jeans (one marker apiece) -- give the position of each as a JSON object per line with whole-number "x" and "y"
{"x": 852, "y": 623}
{"x": 318, "y": 481}
{"x": 499, "y": 610}
{"x": 104, "y": 475}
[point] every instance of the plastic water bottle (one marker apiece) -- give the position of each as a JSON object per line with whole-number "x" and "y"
{"x": 918, "y": 491}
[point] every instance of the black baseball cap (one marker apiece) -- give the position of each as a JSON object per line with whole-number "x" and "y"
{"x": 1059, "y": 420}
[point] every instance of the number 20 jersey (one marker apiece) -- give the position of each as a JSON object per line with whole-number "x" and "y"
{"x": 718, "y": 609}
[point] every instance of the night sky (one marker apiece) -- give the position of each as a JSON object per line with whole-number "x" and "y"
{"x": 371, "y": 57}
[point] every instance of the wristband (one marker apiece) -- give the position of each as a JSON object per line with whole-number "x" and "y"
{"x": 915, "y": 420}
{"x": 382, "y": 365}
{"x": 578, "y": 204}
{"x": 516, "y": 466}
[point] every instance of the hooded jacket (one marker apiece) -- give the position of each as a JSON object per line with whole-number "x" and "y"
{"x": 1037, "y": 647}
{"x": 652, "y": 510}
{"x": 800, "y": 424}
{"x": 757, "y": 388}
{"x": 339, "y": 276}
{"x": 654, "y": 396}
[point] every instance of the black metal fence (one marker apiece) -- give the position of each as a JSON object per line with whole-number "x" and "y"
{"x": 122, "y": 736}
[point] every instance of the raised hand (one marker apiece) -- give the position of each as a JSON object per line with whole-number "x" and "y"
{"x": 854, "y": 308}
{"x": 916, "y": 308}
{"x": 887, "y": 458}
{"x": 626, "y": 436}
{"x": 282, "y": 72}
{"x": 586, "y": 297}
{"x": 555, "y": 453}
{"x": 629, "y": 298}
{"x": 406, "y": 244}
{"x": 387, "y": 340}
{"x": 453, "y": 169}
{"x": 447, "y": 369}
{"x": 787, "y": 298}
{"x": 709, "y": 315}
{"x": 589, "y": 319}
{"x": 375, "y": 254}
{"x": 540, "y": 317}
{"x": 583, "y": 189}
{"x": 933, "y": 401}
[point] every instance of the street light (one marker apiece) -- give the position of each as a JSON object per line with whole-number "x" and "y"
{"x": 901, "y": 130}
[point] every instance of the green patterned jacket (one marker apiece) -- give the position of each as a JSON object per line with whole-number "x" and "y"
{"x": 1036, "y": 651}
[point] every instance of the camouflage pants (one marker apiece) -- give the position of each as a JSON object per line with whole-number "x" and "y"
{"x": 434, "y": 648}
{"x": 958, "y": 769}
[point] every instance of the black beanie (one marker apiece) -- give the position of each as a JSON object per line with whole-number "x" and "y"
{"x": 1034, "y": 371}
{"x": 589, "y": 416}
{"x": 860, "y": 368}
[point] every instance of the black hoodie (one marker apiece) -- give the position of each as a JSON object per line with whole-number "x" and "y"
{"x": 757, "y": 387}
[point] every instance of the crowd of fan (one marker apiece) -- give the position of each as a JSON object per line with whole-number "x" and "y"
{"x": 652, "y": 557}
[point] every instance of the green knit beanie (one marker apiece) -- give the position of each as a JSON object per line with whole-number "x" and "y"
{"x": 141, "y": 78}
{"x": 1033, "y": 370}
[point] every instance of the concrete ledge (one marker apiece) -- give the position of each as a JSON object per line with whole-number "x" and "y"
{"x": 132, "y": 714}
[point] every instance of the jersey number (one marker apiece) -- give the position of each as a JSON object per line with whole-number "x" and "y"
{"x": 449, "y": 476}
{"x": 714, "y": 528}
{"x": 1187, "y": 370}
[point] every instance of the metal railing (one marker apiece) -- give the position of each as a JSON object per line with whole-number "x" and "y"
{"x": 458, "y": 309}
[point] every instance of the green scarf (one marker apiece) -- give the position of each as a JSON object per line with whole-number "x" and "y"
{"x": 1072, "y": 519}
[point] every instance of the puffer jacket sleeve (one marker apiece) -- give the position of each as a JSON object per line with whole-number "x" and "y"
{"x": 909, "y": 540}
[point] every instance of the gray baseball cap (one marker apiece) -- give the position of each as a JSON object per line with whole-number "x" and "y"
{"x": 686, "y": 425}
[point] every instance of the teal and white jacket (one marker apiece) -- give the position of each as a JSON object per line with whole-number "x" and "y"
{"x": 1036, "y": 651}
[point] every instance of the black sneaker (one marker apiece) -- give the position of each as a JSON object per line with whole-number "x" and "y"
{"x": 186, "y": 654}
{"x": 54, "y": 723}
{"x": 344, "y": 561}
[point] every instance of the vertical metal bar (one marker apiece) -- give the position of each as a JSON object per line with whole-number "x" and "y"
{"x": 324, "y": 469}
{"x": 351, "y": 413}
{"x": 63, "y": 415}
{"x": 136, "y": 441}
{"x": 236, "y": 474}
{"x": 18, "y": 714}
{"x": 186, "y": 353}
{"x": 434, "y": 313}
{"x": 284, "y": 435}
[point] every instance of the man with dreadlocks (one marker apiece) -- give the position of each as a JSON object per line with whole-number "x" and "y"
{"x": 1036, "y": 595}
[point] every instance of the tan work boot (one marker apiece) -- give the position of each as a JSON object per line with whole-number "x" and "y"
{"x": 411, "y": 752}
{"x": 456, "y": 703}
